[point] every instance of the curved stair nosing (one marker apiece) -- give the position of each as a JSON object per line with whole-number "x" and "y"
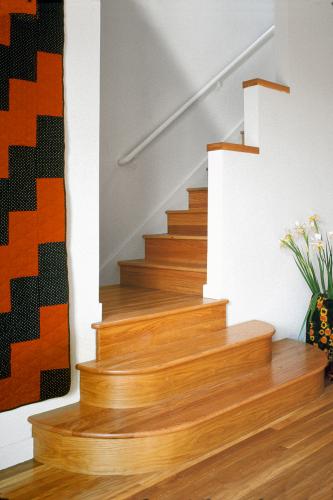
{"x": 156, "y": 450}
{"x": 88, "y": 366}
{"x": 151, "y": 385}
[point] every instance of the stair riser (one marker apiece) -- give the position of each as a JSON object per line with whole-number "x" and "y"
{"x": 136, "y": 390}
{"x": 188, "y": 223}
{"x": 163, "y": 279}
{"x": 135, "y": 455}
{"x": 120, "y": 338}
{"x": 198, "y": 199}
{"x": 176, "y": 251}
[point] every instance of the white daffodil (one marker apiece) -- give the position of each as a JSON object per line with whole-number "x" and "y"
{"x": 299, "y": 228}
{"x": 317, "y": 241}
{"x": 288, "y": 236}
{"x": 313, "y": 222}
{"x": 314, "y": 218}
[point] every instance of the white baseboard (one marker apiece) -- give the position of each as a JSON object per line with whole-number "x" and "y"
{"x": 15, "y": 453}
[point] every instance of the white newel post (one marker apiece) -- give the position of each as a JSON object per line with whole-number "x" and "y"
{"x": 223, "y": 166}
{"x": 215, "y": 232}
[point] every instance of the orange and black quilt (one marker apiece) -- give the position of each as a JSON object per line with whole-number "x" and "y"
{"x": 34, "y": 329}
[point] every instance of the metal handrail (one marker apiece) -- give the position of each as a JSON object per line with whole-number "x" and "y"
{"x": 206, "y": 88}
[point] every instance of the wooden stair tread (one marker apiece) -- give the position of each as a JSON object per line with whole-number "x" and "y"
{"x": 197, "y": 189}
{"x": 122, "y": 304}
{"x": 292, "y": 361}
{"x": 153, "y": 265}
{"x": 175, "y": 350}
{"x": 175, "y": 236}
{"x": 188, "y": 211}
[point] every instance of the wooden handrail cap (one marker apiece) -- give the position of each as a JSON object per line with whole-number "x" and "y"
{"x": 266, "y": 83}
{"x": 229, "y": 146}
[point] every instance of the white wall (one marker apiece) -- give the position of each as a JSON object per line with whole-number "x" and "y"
{"x": 82, "y": 35}
{"x": 155, "y": 55}
{"x": 253, "y": 199}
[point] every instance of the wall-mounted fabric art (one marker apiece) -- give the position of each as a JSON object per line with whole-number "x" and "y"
{"x": 34, "y": 331}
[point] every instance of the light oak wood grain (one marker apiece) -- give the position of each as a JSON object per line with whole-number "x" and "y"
{"x": 261, "y": 467}
{"x": 267, "y": 84}
{"x": 178, "y": 249}
{"x": 156, "y": 371}
{"x": 228, "y": 146}
{"x": 99, "y": 444}
{"x": 126, "y": 303}
{"x": 135, "y": 333}
{"x": 172, "y": 277}
{"x": 173, "y": 261}
{"x": 191, "y": 222}
{"x": 198, "y": 198}
{"x": 251, "y": 469}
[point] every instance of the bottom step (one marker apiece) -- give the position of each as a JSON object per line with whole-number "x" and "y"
{"x": 99, "y": 441}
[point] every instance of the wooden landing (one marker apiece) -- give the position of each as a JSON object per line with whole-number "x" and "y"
{"x": 289, "y": 459}
{"x": 124, "y": 302}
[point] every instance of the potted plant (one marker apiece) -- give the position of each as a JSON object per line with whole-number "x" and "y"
{"x": 313, "y": 256}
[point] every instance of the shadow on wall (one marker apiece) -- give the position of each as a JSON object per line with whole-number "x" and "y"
{"x": 154, "y": 56}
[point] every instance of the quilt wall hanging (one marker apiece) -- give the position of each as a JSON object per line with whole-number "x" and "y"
{"x": 34, "y": 330}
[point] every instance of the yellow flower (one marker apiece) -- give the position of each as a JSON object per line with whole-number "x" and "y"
{"x": 314, "y": 218}
{"x": 288, "y": 237}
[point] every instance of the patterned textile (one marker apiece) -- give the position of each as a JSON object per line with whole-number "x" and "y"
{"x": 319, "y": 330}
{"x": 34, "y": 332}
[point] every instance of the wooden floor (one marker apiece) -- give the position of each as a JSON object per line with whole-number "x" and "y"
{"x": 292, "y": 459}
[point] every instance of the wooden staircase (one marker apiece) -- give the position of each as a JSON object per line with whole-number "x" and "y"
{"x": 176, "y": 261}
{"x": 172, "y": 384}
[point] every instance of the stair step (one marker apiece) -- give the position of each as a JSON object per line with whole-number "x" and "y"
{"x": 122, "y": 303}
{"x": 173, "y": 277}
{"x": 168, "y": 316}
{"x": 193, "y": 222}
{"x": 169, "y": 248}
{"x": 167, "y": 365}
{"x": 90, "y": 440}
{"x": 198, "y": 198}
